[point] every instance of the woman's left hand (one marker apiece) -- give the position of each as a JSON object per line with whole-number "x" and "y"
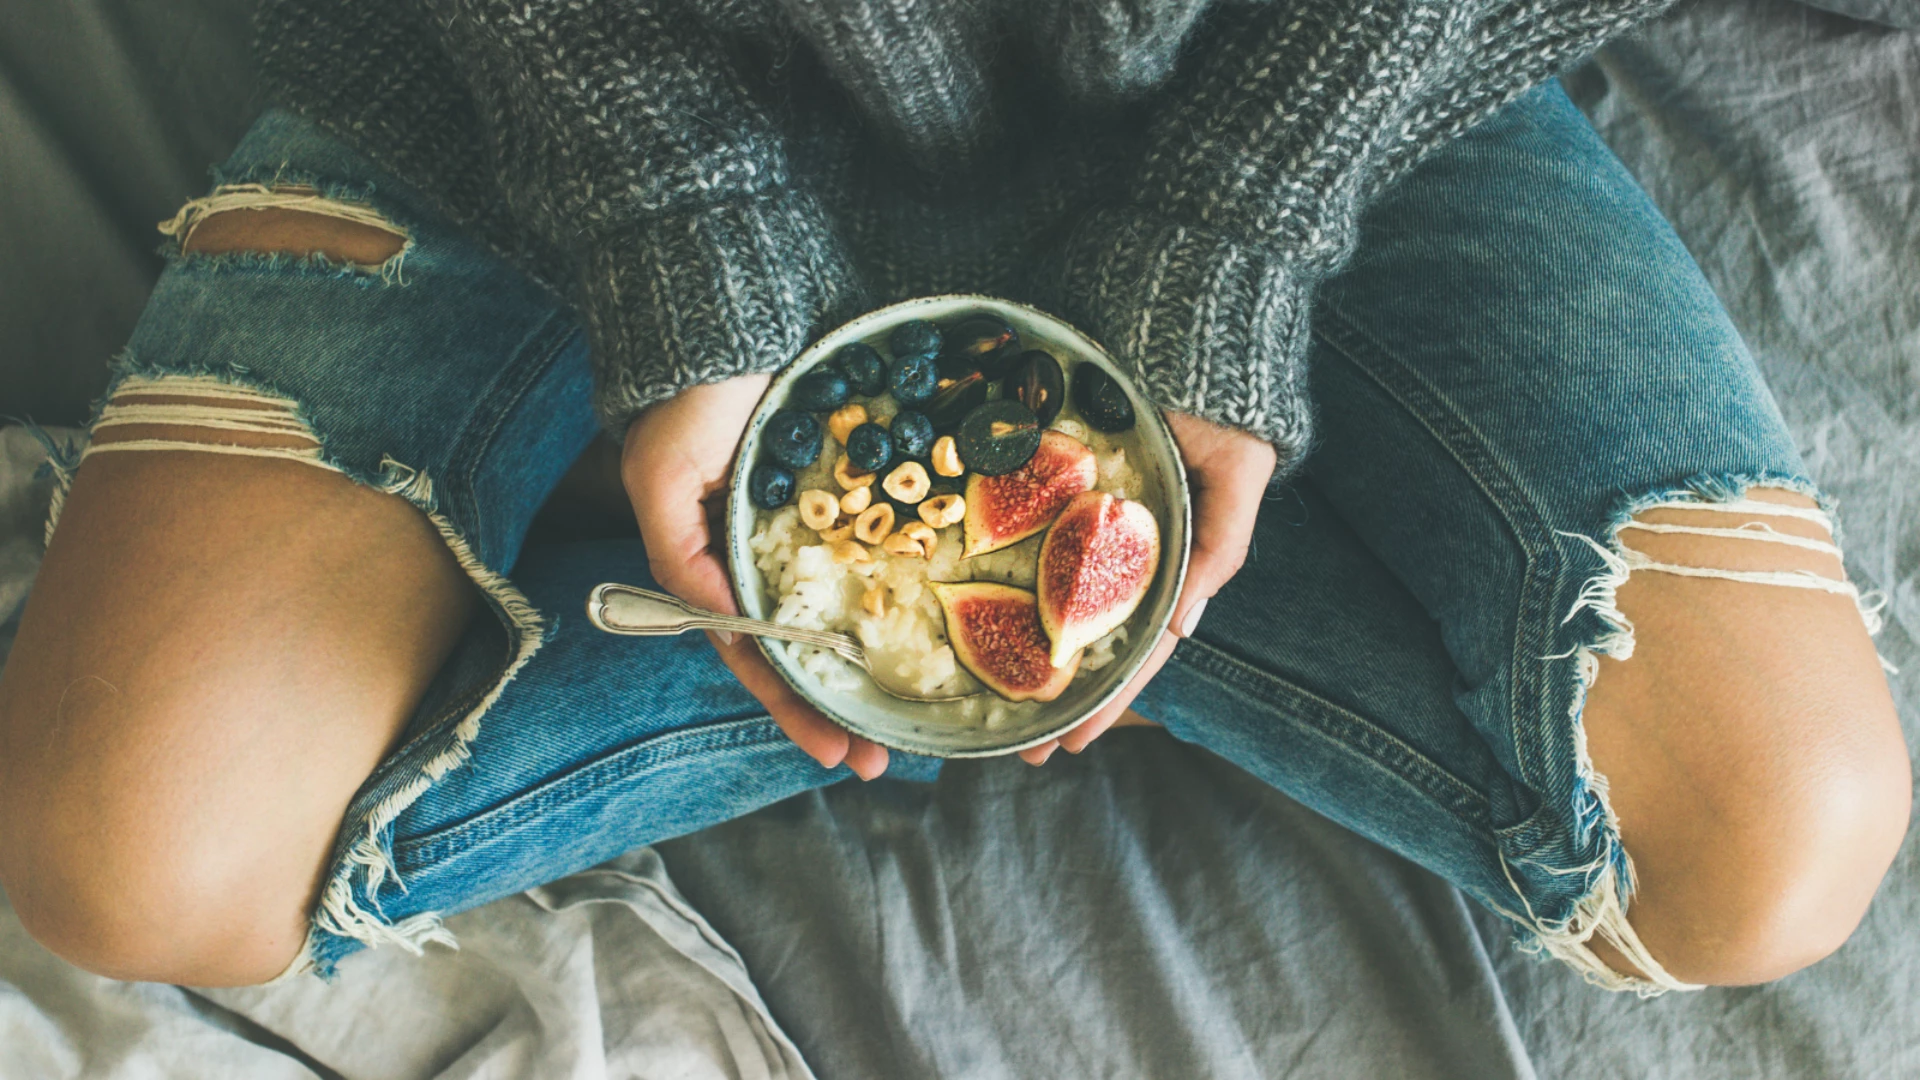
{"x": 1227, "y": 472}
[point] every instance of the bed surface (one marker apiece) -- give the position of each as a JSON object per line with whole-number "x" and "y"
{"x": 1141, "y": 910}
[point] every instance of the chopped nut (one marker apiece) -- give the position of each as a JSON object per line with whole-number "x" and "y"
{"x": 946, "y": 457}
{"x": 875, "y": 601}
{"x": 842, "y": 528}
{"x": 856, "y": 500}
{"x": 847, "y": 551}
{"x": 904, "y": 546}
{"x": 848, "y": 476}
{"x": 942, "y": 510}
{"x": 874, "y": 523}
{"x": 922, "y": 534}
{"x": 909, "y": 483}
{"x": 818, "y": 509}
{"x": 845, "y": 419}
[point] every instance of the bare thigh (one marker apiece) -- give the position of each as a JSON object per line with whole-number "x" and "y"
{"x": 217, "y": 652}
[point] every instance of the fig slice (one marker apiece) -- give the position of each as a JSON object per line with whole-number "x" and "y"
{"x": 1004, "y": 510}
{"x": 1095, "y": 567}
{"x": 996, "y": 635}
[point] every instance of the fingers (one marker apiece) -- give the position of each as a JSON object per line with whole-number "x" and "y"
{"x": 867, "y": 760}
{"x": 1227, "y": 472}
{"x": 1079, "y": 738}
{"x": 1038, "y": 755}
{"x": 675, "y": 465}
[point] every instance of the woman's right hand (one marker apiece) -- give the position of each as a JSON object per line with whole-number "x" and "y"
{"x": 675, "y": 466}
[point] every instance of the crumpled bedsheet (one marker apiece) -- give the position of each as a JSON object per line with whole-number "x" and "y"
{"x": 1144, "y": 909}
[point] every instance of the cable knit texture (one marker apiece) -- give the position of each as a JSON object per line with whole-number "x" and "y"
{"x": 713, "y": 183}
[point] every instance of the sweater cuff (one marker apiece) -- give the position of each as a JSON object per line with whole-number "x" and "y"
{"x": 733, "y": 288}
{"x": 1208, "y": 325}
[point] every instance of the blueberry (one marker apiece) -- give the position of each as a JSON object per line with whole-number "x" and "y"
{"x": 916, "y": 337}
{"x": 913, "y": 380}
{"x": 769, "y": 486}
{"x": 869, "y": 447}
{"x": 912, "y": 434}
{"x": 792, "y": 438}
{"x": 863, "y": 368}
{"x": 821, "y": 390}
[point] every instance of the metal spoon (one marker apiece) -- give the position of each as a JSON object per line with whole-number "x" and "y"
{"x": 625, "y": 609}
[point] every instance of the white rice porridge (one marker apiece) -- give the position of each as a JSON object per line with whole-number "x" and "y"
{"x": 907, "y": 643}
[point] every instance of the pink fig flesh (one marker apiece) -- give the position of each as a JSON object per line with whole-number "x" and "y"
{"x": 1095, "y": 568}
{"x": 1004, "y": 510}
{"x": 996, "y": 635}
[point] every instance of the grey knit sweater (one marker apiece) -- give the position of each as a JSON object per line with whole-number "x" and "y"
{"x": 713, "y": 183}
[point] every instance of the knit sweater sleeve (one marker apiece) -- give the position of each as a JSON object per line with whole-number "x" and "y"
{"x": 625, "y": 138}
{"x": 1282, "y": 121}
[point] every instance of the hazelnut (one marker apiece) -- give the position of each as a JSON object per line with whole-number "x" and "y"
{"x": 845, "y": 419}
{"x": 818, "y": 509}
{"x": 904, "y": 546}
{"x": 921, "y": 535}
{"x": 850, "y": 477}
{"x": 946, "y": 457}
{"x": 874, "y": 523}
{"x": 847, "y": 551}
{"x": 942, "y": 510}
{"x": 875, "y": 601}
{"x": 842, "y": 528}
{"x": 909, "y": 483}
{"x": 856, "y": 500}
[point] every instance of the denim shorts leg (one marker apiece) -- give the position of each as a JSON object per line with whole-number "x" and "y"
{"x": 1520, "y": 357}
{"x": 448, "y": 378}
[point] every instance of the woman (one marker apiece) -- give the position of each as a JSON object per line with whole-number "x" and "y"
{"x": 1548, "y": 603}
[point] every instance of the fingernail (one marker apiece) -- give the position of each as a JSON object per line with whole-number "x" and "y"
{"x": 1192, "y": 621}
{"x": 725, "y": 636}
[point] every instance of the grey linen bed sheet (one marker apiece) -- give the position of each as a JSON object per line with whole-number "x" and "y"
{"x": 1144, "y": 909}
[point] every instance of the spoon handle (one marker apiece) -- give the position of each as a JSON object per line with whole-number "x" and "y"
{"x": 625, "y": 609}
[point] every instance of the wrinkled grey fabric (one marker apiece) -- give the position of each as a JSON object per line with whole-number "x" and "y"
{"x": 1145, "y": 910}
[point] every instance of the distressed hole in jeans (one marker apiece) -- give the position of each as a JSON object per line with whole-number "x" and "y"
{"x": 290, "y": 220}
{"x": 201, "y": 413}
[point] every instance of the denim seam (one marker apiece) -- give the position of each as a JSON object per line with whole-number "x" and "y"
{"x": 1348, "y": 729}
{"x": 1534, "y": 615}
{"x": 549, "y": 344}
{"x": 648, "y": 755}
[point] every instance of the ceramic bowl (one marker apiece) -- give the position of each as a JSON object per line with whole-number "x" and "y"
{"x": 941, "y": 729}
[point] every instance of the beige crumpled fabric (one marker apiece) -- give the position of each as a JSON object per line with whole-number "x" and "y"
{"x": 604, "y": 974}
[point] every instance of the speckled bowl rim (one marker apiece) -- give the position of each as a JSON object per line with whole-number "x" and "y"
{"x": 741, "y": 511}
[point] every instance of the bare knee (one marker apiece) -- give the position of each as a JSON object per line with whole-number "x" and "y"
{"x": 182, "y": 911}
{"x": 1732, "y": 893}
{"x": 1754, "y": 757}
{"x": 134, "y": 857}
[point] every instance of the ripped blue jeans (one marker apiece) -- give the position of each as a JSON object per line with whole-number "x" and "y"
{"x": 1520, "y": 356}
